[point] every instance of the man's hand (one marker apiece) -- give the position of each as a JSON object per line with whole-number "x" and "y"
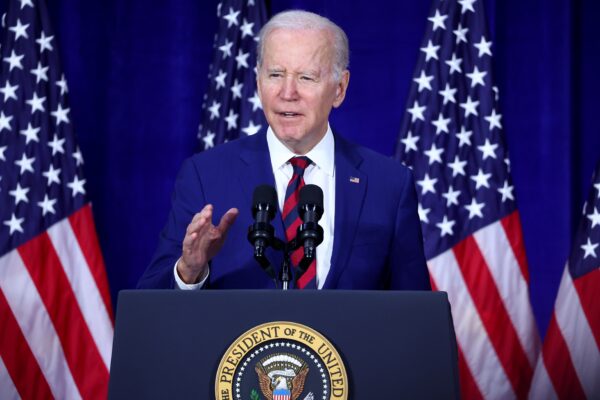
{"x": 202, "y": 242}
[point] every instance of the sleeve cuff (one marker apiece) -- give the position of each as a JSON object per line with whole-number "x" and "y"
{"x": 180, "y": 284}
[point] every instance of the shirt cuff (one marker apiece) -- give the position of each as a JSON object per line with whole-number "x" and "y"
{"x": 188, "y": 286}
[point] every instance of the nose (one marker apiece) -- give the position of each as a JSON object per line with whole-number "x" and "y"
{"x": 289, "y": 91}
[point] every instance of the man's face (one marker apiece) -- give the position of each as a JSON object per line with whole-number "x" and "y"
{"x": 296, "y": 86}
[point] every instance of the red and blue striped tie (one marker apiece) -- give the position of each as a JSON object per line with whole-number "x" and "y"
{"x": 291, "y": 220}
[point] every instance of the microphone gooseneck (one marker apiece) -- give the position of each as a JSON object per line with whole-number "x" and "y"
{"x": 261, "y": 233}
{"x": 310, "y": 233}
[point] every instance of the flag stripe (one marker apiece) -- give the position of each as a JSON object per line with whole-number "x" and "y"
{"x": 8, "y": 391}
{"x": 502, "y": 264}
{"x": 494, "y": 315}
{"x": 36, "y": 326}
{"x": 512, "y": 227}
{"x": 478, "y": 351}
{"x": 468, "y": 386}
{"x": 541, "y": 385}
{"x": 587, "y": 287}
{"x": 14, "y": 351}
{"x": 578, "y": 336}
{"x": 83, "y": 285}
{"x": 82, "y": 223}
{"x": 559, "y": 364}
{"x": 81, "y": 353}
{"x": 434, "y": 286}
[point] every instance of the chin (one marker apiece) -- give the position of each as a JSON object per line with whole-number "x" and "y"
{"x": 289, "y": 135}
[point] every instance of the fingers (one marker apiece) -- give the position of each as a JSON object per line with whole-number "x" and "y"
{"x": 201, "y": 223}
{"x": 201, "y": 227}
{"x": 201, "y": 220}
{"x": 227, "y": 220}
{"x": 203, "y": 241}
{"x": 194, "y": 249}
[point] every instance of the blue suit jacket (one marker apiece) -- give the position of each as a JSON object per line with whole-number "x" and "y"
{"x": 377, "y": 234}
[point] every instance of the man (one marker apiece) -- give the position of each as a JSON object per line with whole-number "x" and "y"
{"x": 372, "y": 235}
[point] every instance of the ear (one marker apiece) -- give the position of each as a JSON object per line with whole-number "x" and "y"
{"x": 340, "y": 91}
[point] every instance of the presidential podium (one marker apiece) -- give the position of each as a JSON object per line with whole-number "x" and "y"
{"x": 253, "y": 344}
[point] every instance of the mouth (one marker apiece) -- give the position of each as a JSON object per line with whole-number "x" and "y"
{"x": 289, "y": 114}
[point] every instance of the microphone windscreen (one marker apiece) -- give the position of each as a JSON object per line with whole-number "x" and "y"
{"x": 265, "y": 194}
{"x": 311, "y": 194}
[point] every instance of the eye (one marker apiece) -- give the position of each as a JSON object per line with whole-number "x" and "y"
{"x": 307, "y": 78}
{"x": 275, "y": 74}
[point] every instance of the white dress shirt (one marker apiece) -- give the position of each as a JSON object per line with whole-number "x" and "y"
{"x": 321, "y": 173}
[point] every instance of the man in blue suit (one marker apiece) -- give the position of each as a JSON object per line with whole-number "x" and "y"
{"x": 372, "y": 235}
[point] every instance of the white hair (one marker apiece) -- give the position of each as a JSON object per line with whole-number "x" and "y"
{"x": 299, "y": 19}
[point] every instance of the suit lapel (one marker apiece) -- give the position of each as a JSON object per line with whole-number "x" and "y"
{"x": 255, "y": 165}
{"x": 350, "y": 188}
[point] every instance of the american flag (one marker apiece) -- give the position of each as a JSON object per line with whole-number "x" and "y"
{"x": 451, "y": 137}
{"x": 55, "y": 311}
{"x": 231, "y": 107}
{"x": 569, "y": 365}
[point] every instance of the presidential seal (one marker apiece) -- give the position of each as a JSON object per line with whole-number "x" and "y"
{"x": 281, "y": 361}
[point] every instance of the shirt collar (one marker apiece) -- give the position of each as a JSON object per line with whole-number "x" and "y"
{"x": 322, "y": 155}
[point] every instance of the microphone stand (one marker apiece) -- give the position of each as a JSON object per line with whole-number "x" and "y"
{"x": 285, "y": 272}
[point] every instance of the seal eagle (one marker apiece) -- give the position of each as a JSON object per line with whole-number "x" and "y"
{"x": 283, "y": 384}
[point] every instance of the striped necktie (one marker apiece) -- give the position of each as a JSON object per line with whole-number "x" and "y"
{"x": 291, "y": 220}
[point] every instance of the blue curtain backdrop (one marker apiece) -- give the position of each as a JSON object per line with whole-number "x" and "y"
{"x": 137, "y": 71}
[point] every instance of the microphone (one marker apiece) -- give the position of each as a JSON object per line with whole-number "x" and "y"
{"x": 310, "y": 209}
{"x": 261, "y": 233}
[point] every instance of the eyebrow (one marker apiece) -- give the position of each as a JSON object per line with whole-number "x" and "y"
{"x": 311, "y": 72}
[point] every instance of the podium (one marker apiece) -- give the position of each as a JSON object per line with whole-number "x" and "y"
{"x": 174, "y": 344}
